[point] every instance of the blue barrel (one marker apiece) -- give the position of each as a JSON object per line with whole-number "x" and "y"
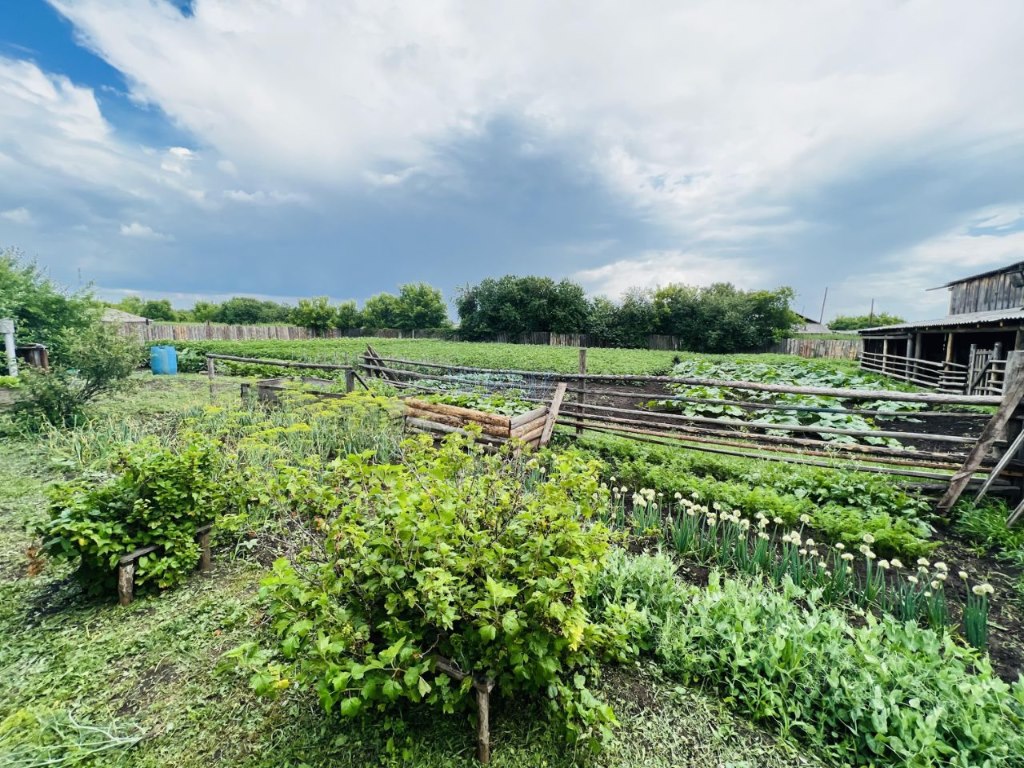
{"x": 163, "y": 360}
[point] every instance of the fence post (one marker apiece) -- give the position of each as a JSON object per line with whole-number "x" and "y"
{"x": 583, "y": 385}
{"x": 210, "y": 373}
{"x": 350, "y": 379}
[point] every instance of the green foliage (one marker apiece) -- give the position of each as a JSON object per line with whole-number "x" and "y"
{"x": 483, "y": 561}
{"x": 156, "y": 497}
{"x": 154, "y": 309}
{"x": 42, "y": 311}
{"x": 315, "y": 314}
{"x": 419, "y": 306}
{"x": 787, "y": 408}
{"x": 513, "y": 305}
{"x": 9, "y": 382}
{"x": 244, "y": 310}
{"x": 721, "y": 318}
{"x": 986, "y": 525}
{"x": 883, "y": 693}
{"x": 96, "y": 361}
{"x": 856, "y": 322}
{"x": 507, "y": 404}
{"x": 347, "y": 315}
{"x": 843, "y": 505}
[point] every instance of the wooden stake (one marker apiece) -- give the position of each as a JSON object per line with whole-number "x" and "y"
{"x": 125, "y": 583}
{"x": 1012, "y": 395}
{"x": 549, "y": 425}
{"x": 581, "y": 398}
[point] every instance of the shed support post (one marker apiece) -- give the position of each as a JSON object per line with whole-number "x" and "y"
{"x": 1018, "y": 340}
{"x": 885, "y": 355}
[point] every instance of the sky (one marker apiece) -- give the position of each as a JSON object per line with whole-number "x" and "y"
{"x": 283, "y": 148}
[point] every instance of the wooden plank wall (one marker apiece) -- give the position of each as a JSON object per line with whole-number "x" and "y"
{"x": 833, "y": 349}
{"x": 985, "y": 294}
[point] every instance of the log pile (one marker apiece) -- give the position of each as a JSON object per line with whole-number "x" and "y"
{"x": 440, "y": 419}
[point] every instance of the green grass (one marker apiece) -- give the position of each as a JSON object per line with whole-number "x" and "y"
{"x": 85, "y": 682}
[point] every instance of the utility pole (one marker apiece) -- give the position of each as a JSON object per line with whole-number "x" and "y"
{"x": 871, "y": 316}
{"x": 821, "y": 318}
{"x": 7, "y": 331}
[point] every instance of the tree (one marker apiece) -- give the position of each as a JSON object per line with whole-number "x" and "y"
{"x": 347, "y": 315}
{"x": 513, "y": 305}
{"x": 381, "y": 311}
{"x": 204, "y": 311}
{"x": 244, "y": 310}
{"x": 856, "y": 322}
{"x": 635, "y": 320}
{"x": 721, "y": 318}
{"x": 42, "y": 311}
{"x": 315, "y": 314}
{"x": 420, "y": 306}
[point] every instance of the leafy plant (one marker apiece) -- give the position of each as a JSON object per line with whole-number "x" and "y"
{"x": 97, "y": 361}
{"x": 156, "y": 497}
{"x": 448, "y": 572}
{"x": 884, "y": 693}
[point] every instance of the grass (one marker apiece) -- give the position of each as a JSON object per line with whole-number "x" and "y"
{"x": 85, "y": 682}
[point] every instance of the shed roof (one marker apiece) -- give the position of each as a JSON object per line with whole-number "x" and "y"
{"x": 954, "y": 321}
{"x": 1015, "y": 267}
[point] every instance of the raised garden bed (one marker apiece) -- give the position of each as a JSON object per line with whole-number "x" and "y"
{"x": 532, "y": 428}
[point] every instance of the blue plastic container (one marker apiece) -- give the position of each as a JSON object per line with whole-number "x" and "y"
{"x": 163, "y": 360}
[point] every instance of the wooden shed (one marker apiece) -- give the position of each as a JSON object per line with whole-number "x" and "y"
{"x": 965, "y": 350}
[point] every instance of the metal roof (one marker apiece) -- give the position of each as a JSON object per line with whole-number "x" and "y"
{"x": 953, "y": 321}
{"x": 1015, "y": 267}
{"x": 111, "y": 315}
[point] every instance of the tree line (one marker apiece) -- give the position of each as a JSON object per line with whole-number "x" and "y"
{"x": 716, "y": 318}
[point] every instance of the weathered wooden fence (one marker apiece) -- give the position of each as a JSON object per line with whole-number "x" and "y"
{"x": 832, "y": 349}
{"x": 931, "y": 445}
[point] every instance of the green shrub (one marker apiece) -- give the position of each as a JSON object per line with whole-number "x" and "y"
{"x": 883, "y": 693}
{"x": 452, "y": 557}
{"x": 97, "y": 361}
{"x": 158, "y": 496}
{"x": 9, "y": 382}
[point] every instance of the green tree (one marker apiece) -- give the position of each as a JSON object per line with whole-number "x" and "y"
{"x": 513, "y": 305}
{"x": 347, "y": 315}
{"x": 420, "y": 306}
{"x": 635, "y": 319}
{"x": 856, "y": 322}
{"x": 381, "y": 311}
{"x": 244, "y": 310}
{"x": 205, "y": 311}
{"x": 721, "y": 318}
{"x": 158, "y": 309}
{"x": 315, "y": 314}
{"x": 42, "y": 311}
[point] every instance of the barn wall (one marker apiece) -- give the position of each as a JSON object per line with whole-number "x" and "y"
{"x": 985, "y": 293}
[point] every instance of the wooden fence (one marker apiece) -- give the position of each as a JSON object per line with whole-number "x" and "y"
{"x": 832, "y": 349}
{"x": 943, "y": 440}
{"x": 156, "y": 331}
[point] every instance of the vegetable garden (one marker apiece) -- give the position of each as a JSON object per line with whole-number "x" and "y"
{"x": 380, "y": 597}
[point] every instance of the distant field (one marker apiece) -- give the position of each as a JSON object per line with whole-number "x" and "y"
{"x": 480, "y": 355}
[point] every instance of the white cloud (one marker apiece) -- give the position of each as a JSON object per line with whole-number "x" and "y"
{"x": 706, "y": 114}
{"x": 656, "y": 268}
{"x": 904, "y": 278}
{"x": 259, "y": 197}
{"x": 143, "y": 232}
{"x": 20, "y": 215}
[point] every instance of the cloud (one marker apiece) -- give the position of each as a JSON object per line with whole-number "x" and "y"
{"x": 143, "y": 232}
{"x": 704, "y": 123}
{"x": 657, "y": 268}
{"x": 20, "y": 215}
{"x": 259, "y": 197}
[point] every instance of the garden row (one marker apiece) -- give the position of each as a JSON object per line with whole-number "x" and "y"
{"x": 409, "y": 575}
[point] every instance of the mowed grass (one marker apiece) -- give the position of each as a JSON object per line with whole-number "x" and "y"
{"x": 85, "y": 682}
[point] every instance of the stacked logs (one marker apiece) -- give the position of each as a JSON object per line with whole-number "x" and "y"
{"x": 440, "y": 419}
